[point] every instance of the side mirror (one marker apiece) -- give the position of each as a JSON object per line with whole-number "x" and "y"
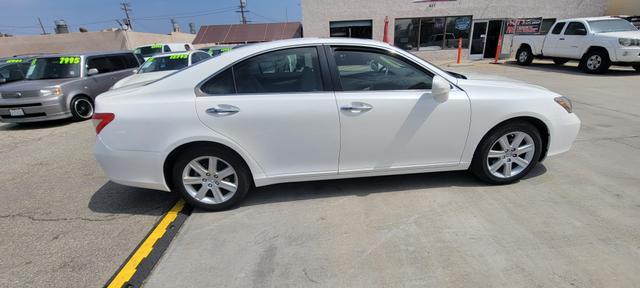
{"x": 3, "y": 80}
{"x": 92, "y": 71}
{"x": 581, "y": 31}
{"x": 440, "y": 88}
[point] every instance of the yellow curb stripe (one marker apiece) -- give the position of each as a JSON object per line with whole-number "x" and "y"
{"x": 143, "y": 251}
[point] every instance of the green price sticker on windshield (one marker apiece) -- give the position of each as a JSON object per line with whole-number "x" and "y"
{"x": 69, "y": 60}
{"x": 179, "y": 56}
{"x": 14, "y": 61}
{"x": 156, "y": 46}
{"x": 225, "y": 49}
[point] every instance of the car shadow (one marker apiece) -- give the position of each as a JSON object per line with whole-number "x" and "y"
{"x": 34, "y": 125}
{"x": 366, "y": 186}
{"x": 114, "y": 198}
{"x": 572, "y": 68}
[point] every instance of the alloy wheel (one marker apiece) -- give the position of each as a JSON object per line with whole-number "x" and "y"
{"x": 510, "y": 154}
{"x": 210, "y": 180}
{"x": 84, "y": 108}
{"x": 523, "y": 56}
{"x": 594, "y": 62}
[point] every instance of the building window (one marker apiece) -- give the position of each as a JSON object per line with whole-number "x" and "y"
{"x": 351, "y": 29}
{"x": 433, "y": 33}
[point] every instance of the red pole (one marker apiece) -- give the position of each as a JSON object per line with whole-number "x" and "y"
{"x": 498, "y": 48}
{"x": 459, "y": 49}
{"x": 385, "y": 36}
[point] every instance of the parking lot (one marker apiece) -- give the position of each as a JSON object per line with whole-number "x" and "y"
{"x": 572, "y": 223}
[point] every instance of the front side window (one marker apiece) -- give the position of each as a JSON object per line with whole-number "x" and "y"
{"x": 54, "y": 68}
{"x": 106, "y": 64}
{"x": 558, "y": 28}
{"x": 363, "y": 70}
{"x": 288, "y": 70}
{"x": 575, "y": 28}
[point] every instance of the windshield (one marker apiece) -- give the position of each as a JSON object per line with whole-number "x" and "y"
{"x": 613, "y": 25}
{"x": 54, "y": 68}
{"x": 148, "y": 51}
{"x": 167, "y": 63}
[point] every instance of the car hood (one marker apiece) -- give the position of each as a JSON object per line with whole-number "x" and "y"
{"x": 26, "y": 85}
{"x": 141, "y": 78}
{"x": 488, "y": 80}
{"x": 621, "y": 34}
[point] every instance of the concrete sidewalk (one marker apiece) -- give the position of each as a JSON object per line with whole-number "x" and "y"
{"x": 572, "y": 223}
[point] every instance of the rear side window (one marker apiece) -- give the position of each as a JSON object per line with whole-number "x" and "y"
{"x": 558, "y": 28}
{"x": 221, "y": 84}
{"x": 364, "y": 70}
{"x": 287, "y": 70}
{"x": 166, "y": 48}
{"x": 572, "y": 28}
{"x": 130, "y": 60}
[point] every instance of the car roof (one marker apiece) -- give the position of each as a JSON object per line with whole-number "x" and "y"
{"x": 588, "y": 19}
{"x": 85, "y": 54}
{"x": 257, "y": 47}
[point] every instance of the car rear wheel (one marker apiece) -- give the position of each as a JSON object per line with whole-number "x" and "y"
{"x": 507, "y": 153}
{"x": 81, "y": 108}
{"x": 210, "y": 178}
{"x": 560, "y": 61}
{"x": 595, "y": 62}
{"x": 524, "y": 56}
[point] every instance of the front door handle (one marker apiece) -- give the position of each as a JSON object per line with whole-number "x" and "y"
{"x": 561, "y": 39}
{"x": 223, "y": 110}
{"x": 357, "y": 107}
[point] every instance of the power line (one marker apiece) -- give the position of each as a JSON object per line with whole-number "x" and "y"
{"x": 265, "y": 17}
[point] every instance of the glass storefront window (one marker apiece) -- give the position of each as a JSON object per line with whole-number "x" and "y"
{"x": 406, "y": 33}
{"x": 432, "y": 33}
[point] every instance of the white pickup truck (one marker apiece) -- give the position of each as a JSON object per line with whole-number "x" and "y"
{"x": 597, "y": 43}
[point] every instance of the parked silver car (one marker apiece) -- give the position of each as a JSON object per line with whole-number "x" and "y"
{"x": 63, "y": 86}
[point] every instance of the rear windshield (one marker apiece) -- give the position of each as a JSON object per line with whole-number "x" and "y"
{"x": 147, "y": 51}
{"x": 166, "y": 63}
{"x": 613, "y": 25}
{"x": 54, "y": 68}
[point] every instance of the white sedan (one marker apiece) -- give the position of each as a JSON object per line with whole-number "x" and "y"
{"x": 162, "y": 65}
{"x": 312, "y": 109}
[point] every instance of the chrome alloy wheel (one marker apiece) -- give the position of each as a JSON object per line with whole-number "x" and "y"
{"x": 510, "y": 154}
{"x": 210, "y": 180}
{"x": 594, "y": 62}
{"x": 84, "y": 108}
{"x": 523, "y": 56}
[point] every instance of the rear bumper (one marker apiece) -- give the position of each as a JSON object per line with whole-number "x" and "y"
{"x": 131, "y": 168}
{"x": 563, "y": 135}
{"x": 35, "y": 109}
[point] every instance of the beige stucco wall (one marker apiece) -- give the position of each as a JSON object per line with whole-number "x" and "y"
{"x": 84, "y": 42}
{"x": 316, "y": 14}
{"x": 624, "y": 7}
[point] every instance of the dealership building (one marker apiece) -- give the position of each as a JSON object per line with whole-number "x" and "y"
{"x": 433, "y": 28}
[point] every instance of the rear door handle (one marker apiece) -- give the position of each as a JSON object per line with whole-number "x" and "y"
{"x": 561, "y": 39}
{"x": 223, "y": 110}
{"x": 357, "y": 107}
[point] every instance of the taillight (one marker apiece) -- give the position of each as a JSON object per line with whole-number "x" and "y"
{"x": 101, "y": 120}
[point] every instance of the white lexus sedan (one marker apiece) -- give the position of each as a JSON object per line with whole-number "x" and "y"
{"x": 312, "y": 109}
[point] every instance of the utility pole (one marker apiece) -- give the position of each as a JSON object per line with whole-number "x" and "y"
{"x": 126, "y": 7}
{"x": 243, "y": 6}
{"x": 41, "y": 26}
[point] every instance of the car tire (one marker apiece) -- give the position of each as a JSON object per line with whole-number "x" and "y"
{"x": 495, "y": 164}
{"x": 595, "y": 62}
{"x": 81, "y": 108}
{"x": 211, "y": 189}
{"x": 560, "y": 61}
{"x": 636, "y": 66}
{"x": 524, "y": 56}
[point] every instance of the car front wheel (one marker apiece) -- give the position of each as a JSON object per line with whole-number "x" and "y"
{"x": 508, "y": 153}
{"x": 210, "y": 178}
{"x": 596, "y": 62}
{"x": 81, "y": 108}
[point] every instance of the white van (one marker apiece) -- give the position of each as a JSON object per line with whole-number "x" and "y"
{"x": 147, "y": 51}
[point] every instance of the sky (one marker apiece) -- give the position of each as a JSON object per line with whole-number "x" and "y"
{"x": 19, "y": 17}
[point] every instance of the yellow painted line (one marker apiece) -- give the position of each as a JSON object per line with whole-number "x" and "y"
{"x": 143, "y": 251}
